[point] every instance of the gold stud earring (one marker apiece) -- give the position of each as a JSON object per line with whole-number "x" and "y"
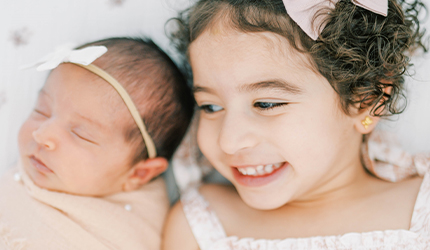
{"x": 366, "y": 122}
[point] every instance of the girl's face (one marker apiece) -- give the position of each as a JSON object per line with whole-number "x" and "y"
{"x": 74, "y": 141}
{"x": 269, "y": 123}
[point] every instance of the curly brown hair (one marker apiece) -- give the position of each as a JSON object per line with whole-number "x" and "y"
{"x": 360, "y": 53}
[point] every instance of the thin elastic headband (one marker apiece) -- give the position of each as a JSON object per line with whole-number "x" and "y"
{"x": 152, "y": 152}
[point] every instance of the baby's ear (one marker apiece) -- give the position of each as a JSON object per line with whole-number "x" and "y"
{"x": 144, "y": 171}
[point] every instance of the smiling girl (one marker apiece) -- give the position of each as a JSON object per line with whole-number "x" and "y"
{"x": 287, "y": 90}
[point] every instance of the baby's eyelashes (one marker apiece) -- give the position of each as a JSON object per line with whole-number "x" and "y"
{"x": 42, "y": 113}
{"x": 83, "y": 137}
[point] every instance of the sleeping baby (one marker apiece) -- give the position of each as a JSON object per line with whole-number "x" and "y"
{"x": 105, "y": 124}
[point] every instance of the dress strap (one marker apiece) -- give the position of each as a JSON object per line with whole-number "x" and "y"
{"x": 204, "y": 223}
{"x": 421, "y": 216}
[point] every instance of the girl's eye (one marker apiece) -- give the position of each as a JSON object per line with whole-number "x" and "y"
{"x": 269, "y": 105}
{"x": 210, "y": 108}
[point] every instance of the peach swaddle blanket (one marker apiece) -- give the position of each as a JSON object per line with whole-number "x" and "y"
{"x": 35, "y": 218}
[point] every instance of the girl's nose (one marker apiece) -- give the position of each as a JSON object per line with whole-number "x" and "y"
{"x": 42, "y": 137}
{"x": 237, "y": 133}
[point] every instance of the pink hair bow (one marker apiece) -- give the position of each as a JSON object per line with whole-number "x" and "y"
{"x": 303, "y": 12}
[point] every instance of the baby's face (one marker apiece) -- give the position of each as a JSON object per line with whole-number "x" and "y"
{"x": 74, "y": 141}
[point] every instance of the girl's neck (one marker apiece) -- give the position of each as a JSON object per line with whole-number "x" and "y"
{"x": 349, "y": 183}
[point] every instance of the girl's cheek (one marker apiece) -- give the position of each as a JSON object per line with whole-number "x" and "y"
{"x": 200, "y": 134}
{"x": 204, "y": 135}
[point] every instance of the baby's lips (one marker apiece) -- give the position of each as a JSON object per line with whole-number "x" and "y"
{"x": 39, "y": 164}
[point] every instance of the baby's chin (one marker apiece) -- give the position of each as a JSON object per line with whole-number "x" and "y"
{"x": 44, "y": 182}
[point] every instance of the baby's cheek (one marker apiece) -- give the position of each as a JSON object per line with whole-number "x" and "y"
{"x": 25, "y": 135}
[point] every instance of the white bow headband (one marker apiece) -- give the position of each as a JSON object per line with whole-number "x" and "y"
{"x": 303, "y": 12}
{"x": 83, "y": 58}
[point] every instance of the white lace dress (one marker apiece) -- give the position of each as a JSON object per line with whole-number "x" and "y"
{"x": 382, "y": 159}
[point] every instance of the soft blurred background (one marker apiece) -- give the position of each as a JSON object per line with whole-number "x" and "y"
{"x": 30, "y": 29}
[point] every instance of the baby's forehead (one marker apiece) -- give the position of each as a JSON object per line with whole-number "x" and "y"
{"x": 79, "y": 91}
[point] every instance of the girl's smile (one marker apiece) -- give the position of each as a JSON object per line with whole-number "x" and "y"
{"x": 254, "y": 176}
{"x": 283, "y": 114}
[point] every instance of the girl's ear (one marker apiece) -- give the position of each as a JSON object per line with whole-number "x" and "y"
{"x": 144, "y": 171}
{"x": 365, "y": 123}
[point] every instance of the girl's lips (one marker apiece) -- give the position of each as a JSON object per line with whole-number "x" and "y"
{"x": 259, "y": 180}
{"x": 39, "y": 165}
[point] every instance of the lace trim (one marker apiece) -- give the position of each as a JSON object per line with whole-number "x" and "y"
{"x": 377, "y": 240}
{"x": 420, "y": 222}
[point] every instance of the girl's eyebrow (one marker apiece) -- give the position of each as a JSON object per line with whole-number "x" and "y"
{"x": 197, "y": 89}
{"x": 277, "y": 84}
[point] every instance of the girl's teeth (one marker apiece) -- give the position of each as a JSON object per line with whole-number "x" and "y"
{"x": 250, "y": 171}
{"x": 277, "y": 165}
{"x": 242, "y": 171}
{"x": 260, "y": 169}
{"x": 268, "y": 168}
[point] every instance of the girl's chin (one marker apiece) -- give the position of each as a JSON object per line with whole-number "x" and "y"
{"x": 263, "y": 201}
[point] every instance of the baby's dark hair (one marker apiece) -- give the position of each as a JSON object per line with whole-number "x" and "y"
{"x": 360, "y": 53}
{"x": 157, "y": 87}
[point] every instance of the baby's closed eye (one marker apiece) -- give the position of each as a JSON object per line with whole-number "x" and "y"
{"x": 83, "y": 136}
{"x": 41, "y": 112}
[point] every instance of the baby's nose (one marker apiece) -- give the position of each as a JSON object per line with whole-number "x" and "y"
{"x": 43, "y": 140}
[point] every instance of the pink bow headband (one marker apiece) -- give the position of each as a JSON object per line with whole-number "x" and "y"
{"x": 303, "y": 12}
